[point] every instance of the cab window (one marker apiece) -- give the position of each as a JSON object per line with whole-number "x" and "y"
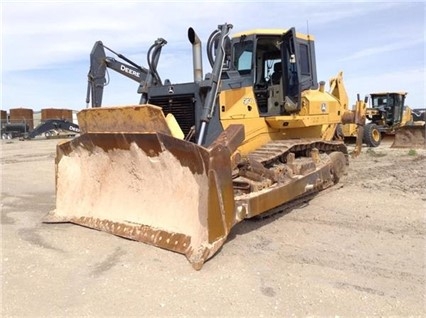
{"x": 243, "y": 56}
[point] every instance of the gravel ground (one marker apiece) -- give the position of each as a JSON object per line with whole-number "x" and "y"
{"x": 356, "y": 249}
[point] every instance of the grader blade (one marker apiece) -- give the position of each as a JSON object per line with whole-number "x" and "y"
{"x": 127, "y": 175}
{"x": 410, "y": 136}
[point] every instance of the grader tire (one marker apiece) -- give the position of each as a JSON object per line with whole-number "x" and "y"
{"x": 372, "y": 136}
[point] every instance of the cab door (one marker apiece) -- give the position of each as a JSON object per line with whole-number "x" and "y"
{"x": 291, "y": 71}
{"x": 299, "y": 69}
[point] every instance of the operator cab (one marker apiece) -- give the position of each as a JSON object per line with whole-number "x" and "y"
{"x": 278, "y": 64}
{"x": 390, "y": 106}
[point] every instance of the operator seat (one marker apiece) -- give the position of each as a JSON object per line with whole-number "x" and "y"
{"x": 277, "y": 75}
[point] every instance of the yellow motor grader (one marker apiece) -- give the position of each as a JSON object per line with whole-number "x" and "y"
{"x": 389, "y": 116}
{"x": 191, "y": 160}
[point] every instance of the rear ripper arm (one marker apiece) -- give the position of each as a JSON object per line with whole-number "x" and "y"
{"x": 99, "y": 63}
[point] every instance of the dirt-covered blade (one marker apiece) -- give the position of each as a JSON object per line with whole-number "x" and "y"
{"x": 147, "y": 186}
{"x": 410, "y": 136}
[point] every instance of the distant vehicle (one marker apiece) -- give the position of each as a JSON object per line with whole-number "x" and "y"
{"x": 419, "y": 114}
{"x": 50, "y": 127}
{"x": 388, "y": 115}
{"x": 14, "y": 130}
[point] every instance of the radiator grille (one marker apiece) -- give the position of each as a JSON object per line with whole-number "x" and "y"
{"x": 182, "y": 107}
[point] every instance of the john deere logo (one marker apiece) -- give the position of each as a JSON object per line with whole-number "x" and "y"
{"x": 247, "y": 101}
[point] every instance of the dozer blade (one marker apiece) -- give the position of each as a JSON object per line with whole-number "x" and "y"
{"x": 126, "y": 175}
{"x": 410, "y": 136}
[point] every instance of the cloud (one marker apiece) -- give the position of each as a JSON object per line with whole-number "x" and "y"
{"x": 46, "y": 45}
{"x": 387, "y": 48}
{"x": 391, "y": 81}
{"x": 45, "y": 34}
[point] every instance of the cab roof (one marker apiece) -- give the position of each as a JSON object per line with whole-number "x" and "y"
{"x": 272, "y": 32}
{"x": 388, "y": 93}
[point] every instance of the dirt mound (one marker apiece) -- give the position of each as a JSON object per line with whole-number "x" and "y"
{"x": 389, "y": 170}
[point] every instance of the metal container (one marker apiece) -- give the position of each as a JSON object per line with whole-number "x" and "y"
{"x": 56, "y": 113}
{"x": 3, "y": 117}
{"x": 22, "y": 115}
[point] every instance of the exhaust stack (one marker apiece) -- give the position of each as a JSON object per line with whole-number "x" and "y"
{"x": 196, "y": 55}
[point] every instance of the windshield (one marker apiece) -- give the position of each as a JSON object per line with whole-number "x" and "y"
{"x": 381, "y": 100}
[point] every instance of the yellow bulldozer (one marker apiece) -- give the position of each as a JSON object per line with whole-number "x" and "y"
{"x": 191, "y": 160}
{"x": 389, "y": 116}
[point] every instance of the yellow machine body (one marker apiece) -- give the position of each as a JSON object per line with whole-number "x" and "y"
{"x": 136, "y": 174}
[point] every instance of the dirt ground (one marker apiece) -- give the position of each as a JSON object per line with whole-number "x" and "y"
{"x": 357, "y": 249}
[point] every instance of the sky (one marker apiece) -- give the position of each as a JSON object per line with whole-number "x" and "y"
{"x": 379, "y": 45}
